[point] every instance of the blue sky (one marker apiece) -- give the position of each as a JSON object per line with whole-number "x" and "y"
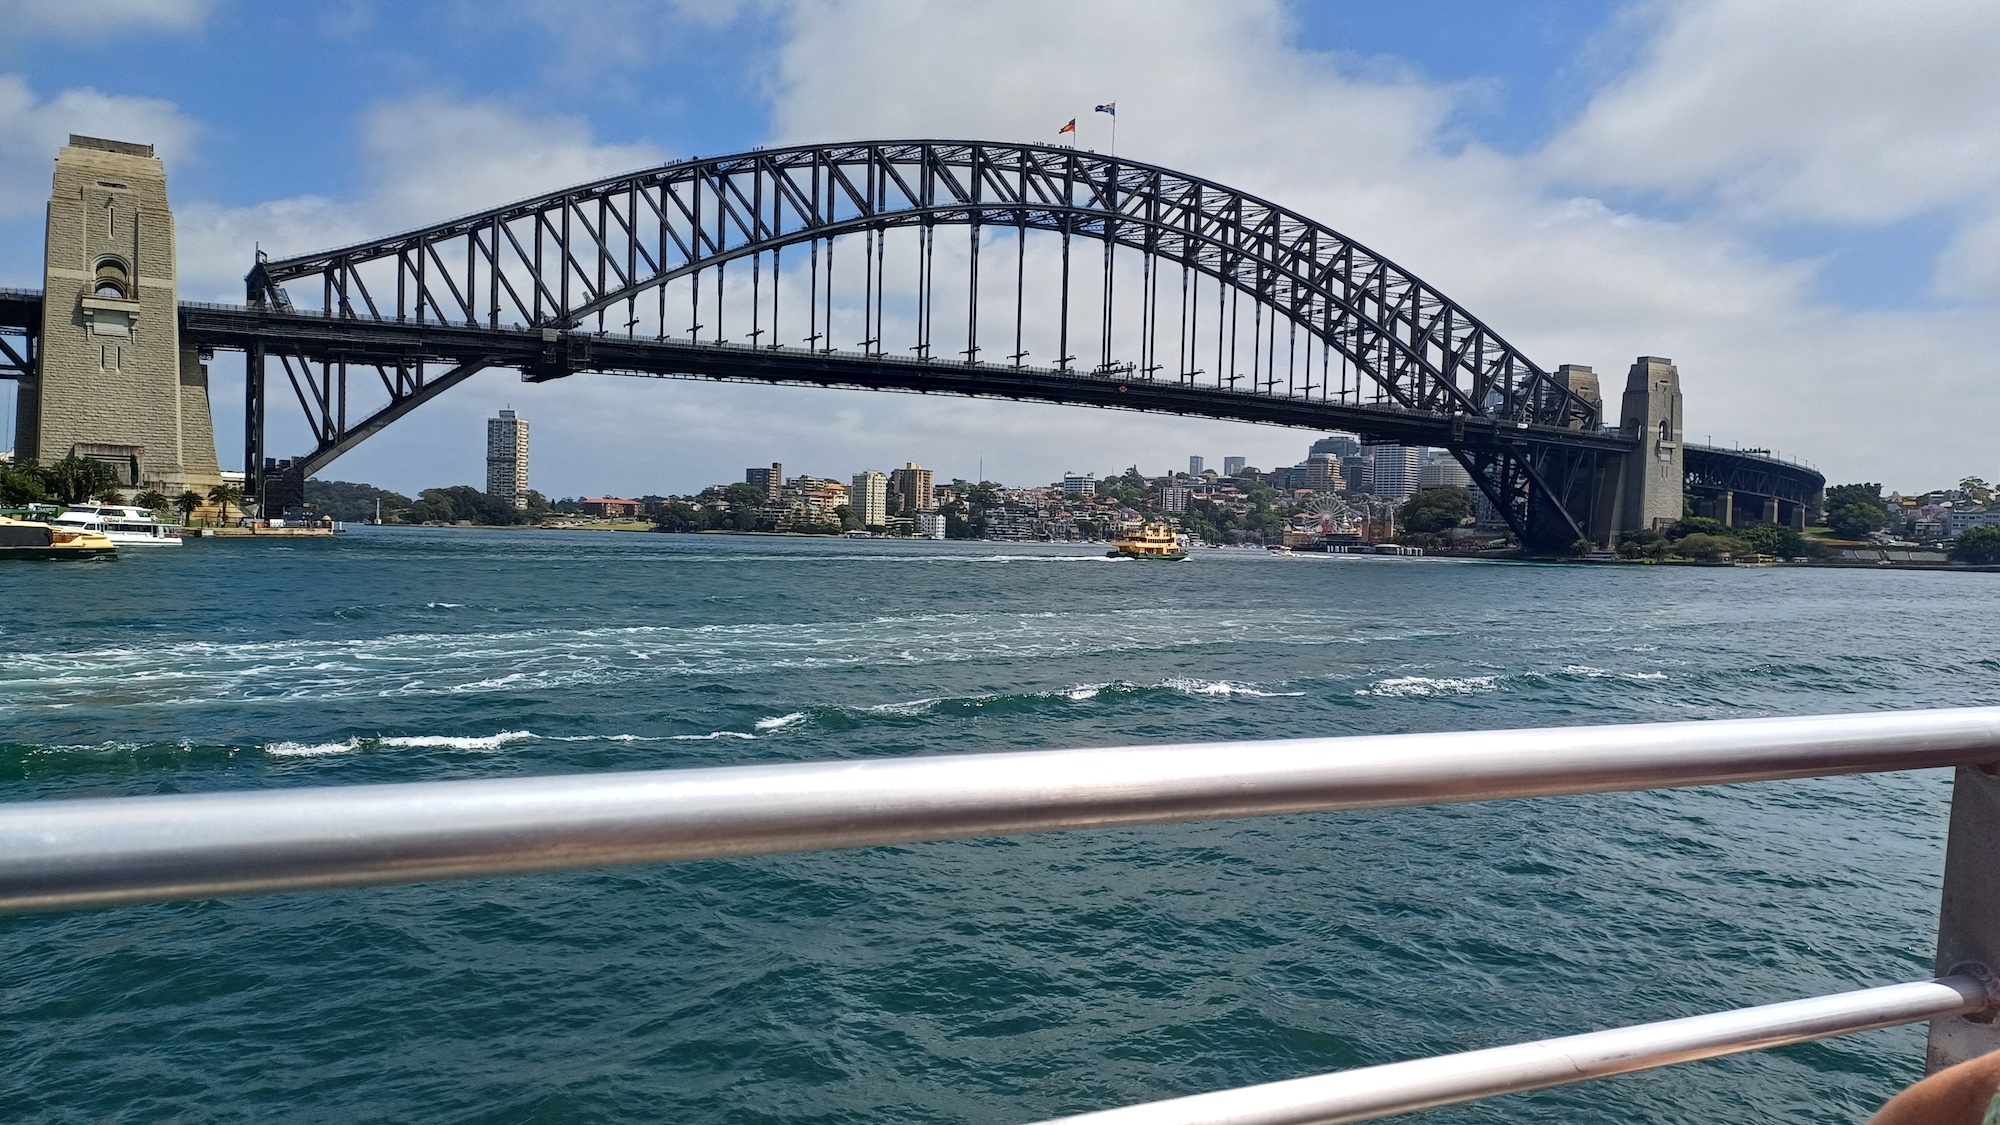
{"x": 1795, "y": 206}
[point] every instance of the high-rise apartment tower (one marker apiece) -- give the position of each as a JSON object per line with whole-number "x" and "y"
{"x": 507, "y": 458}
{"x": 770, "y": 481}
{"x": 912, "y": 485}
{"x": 869, "y": 499}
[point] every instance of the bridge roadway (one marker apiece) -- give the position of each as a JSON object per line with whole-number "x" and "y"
{"x": 1722, "y": 479}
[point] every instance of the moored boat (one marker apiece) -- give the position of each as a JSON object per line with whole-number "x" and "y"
{"x": 124, "y": 525}
{"x": 1154, "y": 541}
{"x": 27, "y": 539}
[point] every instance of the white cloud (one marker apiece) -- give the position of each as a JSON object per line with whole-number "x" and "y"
{"x": 428, "y": 158}
{"x": 1841, "y": 110}
{"x": 1222, "y": 90}
{"x": 32, "y": 130}
{"x": 103, "y": 17}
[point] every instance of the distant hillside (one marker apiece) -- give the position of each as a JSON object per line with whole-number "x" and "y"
{"x": 349, "y": 502}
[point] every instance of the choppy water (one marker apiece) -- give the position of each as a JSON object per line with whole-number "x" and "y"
{"x": 981, "y": 982}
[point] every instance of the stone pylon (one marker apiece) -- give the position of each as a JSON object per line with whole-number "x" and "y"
{"x": 1654, "y": 477}
{"x": 114, "y": 383}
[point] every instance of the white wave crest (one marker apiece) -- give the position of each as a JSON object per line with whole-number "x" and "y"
{"x": 312, "y": 749}
{"x": 1587, "y": 672}
{"x": 449, "y": 742}
{"x": 1187, "y": 685}
{"x": 1431, "y": 685}
{"x": 780, "y": 722}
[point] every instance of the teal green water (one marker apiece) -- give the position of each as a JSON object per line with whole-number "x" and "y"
{"x": 983, "y": 982}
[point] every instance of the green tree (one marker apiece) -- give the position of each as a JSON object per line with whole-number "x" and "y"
{"x": 76, "y": 479}
{"x": 224, "y": 495}
{"x": 185, "y": 504}
{"x": 1434, "y": 510}
{"x": 1706, "y": 547}
{"x": 1979, "y": 546}
{"x": 1979, "y": 490}
{"x": 22, "y": 483}
{"x": 1854, "y": 510}
{"x": 680, "y": 517}
{"x": 1774, "y": 539}
{"x": 153, "y": 500}
{"x": 1696, "y": 525}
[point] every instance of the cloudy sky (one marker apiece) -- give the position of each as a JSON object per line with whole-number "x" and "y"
{"x": 1797, "y": 202}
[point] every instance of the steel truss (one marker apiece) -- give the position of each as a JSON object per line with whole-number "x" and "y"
{"x": 589, "y": 266}
{"x": 1709, "y": 471}
{"x": 20, "y": 333}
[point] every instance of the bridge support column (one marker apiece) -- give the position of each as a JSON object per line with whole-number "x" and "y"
{"x": 1651, "y": 413}
{"x": 253, "y": 423}
{"x": 113, "y": 383}
{"x": 1770, "y": 509}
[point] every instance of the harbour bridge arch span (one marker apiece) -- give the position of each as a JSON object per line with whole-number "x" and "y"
{"x": 1182, "y": 288}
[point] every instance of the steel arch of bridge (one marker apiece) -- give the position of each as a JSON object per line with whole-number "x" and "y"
{"x": 558, "y": 262}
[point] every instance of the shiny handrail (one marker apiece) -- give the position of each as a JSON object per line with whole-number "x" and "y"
{"x": 68, "y": 854}
{"x": 1384, "y": 1091}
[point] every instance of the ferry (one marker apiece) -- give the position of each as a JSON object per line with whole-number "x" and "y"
{"x": 27, "y": 539}
{"x": 123, "y": 525}
{"x": 1153, "y": 541}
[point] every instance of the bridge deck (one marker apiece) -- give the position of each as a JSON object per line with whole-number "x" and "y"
{"x": 544, "y": 355}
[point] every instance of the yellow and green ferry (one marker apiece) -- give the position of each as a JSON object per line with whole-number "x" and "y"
{"x": 1155, "y": 541}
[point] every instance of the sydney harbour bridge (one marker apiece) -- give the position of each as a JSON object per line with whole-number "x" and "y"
{"x": 1017, "y": 271}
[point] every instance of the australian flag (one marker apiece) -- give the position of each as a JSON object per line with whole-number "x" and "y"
{"x": 1108, "y": 107}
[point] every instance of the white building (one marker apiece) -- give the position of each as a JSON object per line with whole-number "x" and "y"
{"x": 1075, "y": 486}
{"x": 869, "y": 499}
{"x": 1445, "y": 472}
{"x": 930, "y": 525}
{"x": 507, "y": 458}
{"x": 1395, "y": 475}
{"x": 1958, "y": 523}
{"x": 1173, "y": 499}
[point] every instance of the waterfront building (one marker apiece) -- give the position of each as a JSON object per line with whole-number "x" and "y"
{"x": 1074, "y": 486}
{"x": 870, "y": 498}
{"x": 1445, "y": 472}
{"x": 1958, "y": 523}
{"x": 1231, "y": 466}
{"x": 507, "y": 459}
{"x": 1194, "y": 466}
{"x": 930, "y": 525}
{"x": 612, "y": 508}
{"x": 1174, "y": 499}
{"x": 769, "y": 481}
{"x": 912, "y": 486}
{"x": 1395, "y": 474}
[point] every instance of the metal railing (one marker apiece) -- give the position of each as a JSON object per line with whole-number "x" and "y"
{"x": 70, "y": 854}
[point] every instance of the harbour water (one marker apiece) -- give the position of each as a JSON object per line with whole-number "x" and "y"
{"x": 984, "y": 982}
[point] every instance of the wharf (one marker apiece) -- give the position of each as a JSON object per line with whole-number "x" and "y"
{"x": 257, "y": 533}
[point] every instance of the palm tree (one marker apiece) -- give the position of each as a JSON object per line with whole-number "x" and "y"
{"x": 109, "y": 495}
{"x": 225, "y": 495}
{"x": 152, "y": 500}
{"x": 186, "y": 503}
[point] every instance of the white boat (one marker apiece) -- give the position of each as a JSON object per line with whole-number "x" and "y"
{"x": 124, "y": 525}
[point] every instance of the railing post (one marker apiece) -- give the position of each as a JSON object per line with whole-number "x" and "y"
{"x": 1969, "y": 915}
